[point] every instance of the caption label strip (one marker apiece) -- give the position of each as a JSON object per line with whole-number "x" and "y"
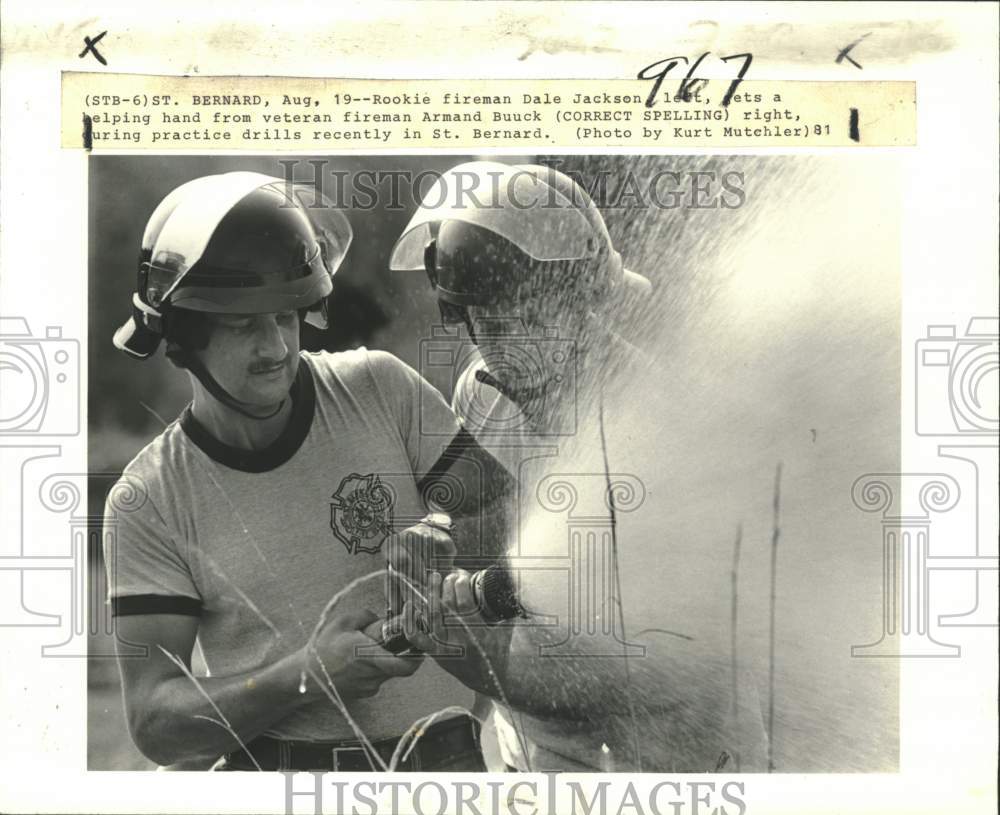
{"x": 102, "y": 111}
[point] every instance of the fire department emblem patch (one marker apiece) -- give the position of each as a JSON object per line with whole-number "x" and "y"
{"x": 361, "y": 513}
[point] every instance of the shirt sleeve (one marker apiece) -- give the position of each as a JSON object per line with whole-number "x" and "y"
{"x": 146, "y": 573}
{"x": 426, "y": 423}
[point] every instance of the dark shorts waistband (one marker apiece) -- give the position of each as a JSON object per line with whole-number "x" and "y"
{"x": 448, "y": 745}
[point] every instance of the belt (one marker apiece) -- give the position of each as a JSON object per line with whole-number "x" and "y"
{"x": 442, "y": 741}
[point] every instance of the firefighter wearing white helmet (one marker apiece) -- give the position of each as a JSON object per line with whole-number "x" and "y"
{"x": 523, "y": 258}
{"x": 278, "y": 486}
{"x": 231, "y": 244}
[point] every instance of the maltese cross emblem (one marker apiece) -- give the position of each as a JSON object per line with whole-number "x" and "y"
{"x": 361, "y": 513}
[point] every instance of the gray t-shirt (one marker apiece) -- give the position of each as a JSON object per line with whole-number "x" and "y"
{"x": 256, "y": 544}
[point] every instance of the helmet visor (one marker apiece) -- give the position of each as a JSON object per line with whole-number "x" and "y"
{"x": 182, "y": 227}
{"x": 508, "y": 201}
{"x": 469, "y": 265}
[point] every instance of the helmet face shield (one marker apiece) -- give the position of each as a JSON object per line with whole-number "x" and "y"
{"x": 508, "y": 201}
{"x": 233, "y": 244}
{"x": 469, "y": 265}
{"x": 182, "y": 225}
{"x": 330, "y": 226}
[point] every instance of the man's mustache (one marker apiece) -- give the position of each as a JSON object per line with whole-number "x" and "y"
{"x": 265, "y": 365}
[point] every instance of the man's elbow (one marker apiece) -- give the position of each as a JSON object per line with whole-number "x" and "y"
{"x": 149, "y": 728}
{"x": 577, "y": 685}
{"x": 554, "y": 703}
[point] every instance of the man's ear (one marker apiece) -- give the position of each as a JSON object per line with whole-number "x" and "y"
{"x": 187, "y": 330}
{"x": 176, "y": 355}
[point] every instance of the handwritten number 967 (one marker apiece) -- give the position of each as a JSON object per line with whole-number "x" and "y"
{"x": 658, "y": 71}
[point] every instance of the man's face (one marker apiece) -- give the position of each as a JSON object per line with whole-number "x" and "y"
{"x": 254, "y": 356}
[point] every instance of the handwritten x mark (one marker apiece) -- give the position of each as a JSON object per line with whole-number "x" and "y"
{"x": 91, "y": 50}
{"x": 845, "y": 53}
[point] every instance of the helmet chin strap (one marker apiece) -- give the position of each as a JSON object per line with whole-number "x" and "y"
{"x": 520, "y": 396}
{"x": 193, "y": 364}
{"x": 524, "y": 394}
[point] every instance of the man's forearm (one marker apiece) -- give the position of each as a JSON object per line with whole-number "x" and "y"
{"x": 480, "y": 539}
{"x": 480, "y": 665}
{"x": 504, "y": 663}
{"x": 485, "y": 493}
{"x": 513, "y": 658}
{"x": 179, "y": 721}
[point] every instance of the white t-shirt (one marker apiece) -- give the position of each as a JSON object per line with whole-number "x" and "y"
{"x": 256, "y": 543}
{"x": 678, "y": 677}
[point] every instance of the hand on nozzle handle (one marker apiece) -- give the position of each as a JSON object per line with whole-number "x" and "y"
{"x": 392, "y": 637}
